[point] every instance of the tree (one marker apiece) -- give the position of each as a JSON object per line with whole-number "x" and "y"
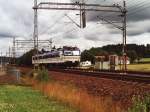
{"x": 87, "y": 56}
{"x": 26, "y": 59}
{"x": 132, "y": 55}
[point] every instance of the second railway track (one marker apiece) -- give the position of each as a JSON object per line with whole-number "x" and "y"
{"x": 128, "y": 76}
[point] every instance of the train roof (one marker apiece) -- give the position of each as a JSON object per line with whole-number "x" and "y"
{"x": 56, "y": 50}
{"x": 70, "y": 48}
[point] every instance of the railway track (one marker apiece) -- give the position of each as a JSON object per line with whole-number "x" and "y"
{"x": 140, "y": 77}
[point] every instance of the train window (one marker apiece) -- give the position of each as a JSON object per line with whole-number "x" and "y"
{"x": 33, "y": 58}
{"x": 45, "y": 56}
{"x": 67, "y": 53}
{"x": 40, "y": 57}
{"x": 49, "y": 56}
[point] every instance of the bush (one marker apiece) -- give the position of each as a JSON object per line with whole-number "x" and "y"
{"x": 43, "y": 75}
{"x": 141, "y": 104}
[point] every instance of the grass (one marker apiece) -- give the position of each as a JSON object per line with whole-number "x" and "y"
{"x": 141, "y": 104}
{"x": 145, "y": 60}
{"x": 24, "y": 99}
{"x": 139, "y": 67}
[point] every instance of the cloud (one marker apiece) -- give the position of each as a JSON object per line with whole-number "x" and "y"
{"x": 138, "y": 17}
{"x": 16, "y": 17}
{"x": 17, "y": 20}
{"x": 137, "y": 28}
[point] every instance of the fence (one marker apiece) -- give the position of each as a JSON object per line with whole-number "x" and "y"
{"x": 15, "y": 72}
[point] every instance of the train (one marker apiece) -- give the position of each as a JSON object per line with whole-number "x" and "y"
{"x": 65, "y": 56}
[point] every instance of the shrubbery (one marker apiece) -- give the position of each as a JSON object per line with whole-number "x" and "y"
{"x": 43, "y": 75}
{"x": 141, "y": 104}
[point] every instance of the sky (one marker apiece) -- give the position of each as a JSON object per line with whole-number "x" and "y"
{"x": 17, "y": 21}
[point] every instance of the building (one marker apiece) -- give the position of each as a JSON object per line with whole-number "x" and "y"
{"x": 85, "y": 64}
{"x": 121, "y": 58}
{"x": 109, "y": 62}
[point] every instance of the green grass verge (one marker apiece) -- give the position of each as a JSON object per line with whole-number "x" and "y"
{"x": 139, "y": 67}
{"x": 24, "y": 99}
{"x": 145, "y": 60}
{"x": 141, "y": 105}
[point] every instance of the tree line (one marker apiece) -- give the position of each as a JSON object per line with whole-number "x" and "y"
{"x": 134, "y": 52}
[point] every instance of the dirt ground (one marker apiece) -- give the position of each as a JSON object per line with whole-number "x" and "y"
{"x": 121, "y": 92}
{"x": 7, "y": 79}
{"x": 2, "y": 73}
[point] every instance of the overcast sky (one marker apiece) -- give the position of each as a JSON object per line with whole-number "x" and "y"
{"x": 17, "y": 20}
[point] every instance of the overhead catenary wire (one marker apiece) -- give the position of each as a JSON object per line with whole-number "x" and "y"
{"x": 138, "y": 10}
{"x": 52, "y": 26}
{"x": 56, "y": 22}
{"x": 139, "y": 5}
{"x": 134, "y": 7}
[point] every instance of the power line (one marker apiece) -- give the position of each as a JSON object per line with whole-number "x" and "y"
{"x": 138, "y": 10}
{"x": 137, "y": 6}
{"x": 50, "y": 27}
{"x": 133, "y": 2}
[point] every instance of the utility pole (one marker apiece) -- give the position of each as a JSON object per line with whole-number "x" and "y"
{"x": 1, "y": 59}
{"x": 14, "y": 50}
{"x": 82, "y": 15}
{"x": 35, "y": 35}
{"x": 124, "y": 38}
{"x": 1, "y": 62}
{"x": 9, "y": 54}
{"x": 123, "y": 29}
{"x": 51, "y": 44}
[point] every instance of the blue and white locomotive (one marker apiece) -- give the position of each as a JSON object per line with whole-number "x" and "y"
{"x": 58, "y": 56}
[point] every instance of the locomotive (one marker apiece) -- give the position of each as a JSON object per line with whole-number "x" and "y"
{"x": 65, "y": 56}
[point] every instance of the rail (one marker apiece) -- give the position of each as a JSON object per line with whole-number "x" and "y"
{"x": 141, "y": 77}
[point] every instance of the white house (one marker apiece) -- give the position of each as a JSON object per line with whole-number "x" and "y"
{"x": 85, "y": 63}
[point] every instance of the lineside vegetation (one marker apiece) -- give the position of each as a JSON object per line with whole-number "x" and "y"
{"x": 24, "y": 99}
